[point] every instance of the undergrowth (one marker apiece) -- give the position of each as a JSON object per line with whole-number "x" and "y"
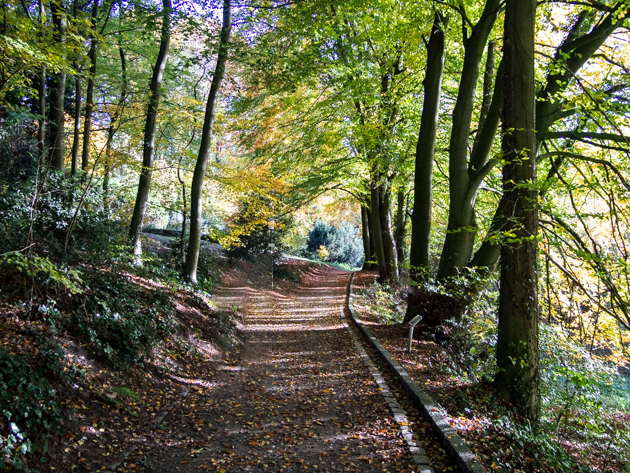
{"x": 66, "y": 267}
{"x": 586, "y": 404}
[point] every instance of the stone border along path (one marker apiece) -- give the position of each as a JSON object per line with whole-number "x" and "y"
{"x": 451, "y": 441}
{"x": 418, "y": 454}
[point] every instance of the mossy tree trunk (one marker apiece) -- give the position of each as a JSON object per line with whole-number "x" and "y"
{"x": 419, "y": 254}
{"x": 518, "y": 376}
{"x": 148, "y": 149}
{"x": 196, "y": 192}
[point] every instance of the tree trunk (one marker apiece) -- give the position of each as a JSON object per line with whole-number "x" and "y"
{"x": 114, "y": 123}
{"x": 58, "y": 92}
{"x": 196, "y": 191}
{"x": 400, "y": 226}
{"x": 518, "y": 377}
{"x": 89, "y": 96}
{"x": 548, "y": 110}
{"x": 41, "y": 90}
{"x": 419, "y": 253}
{"x": 365, "y": 233}
{"x": 461, "y": 231}
{"x": 77, "y": 126}
{"x": 375, "y": 230}
{"x": 148, "y": 151}
{"x": 389, "y": 246}
{"x": 373, "y": 260}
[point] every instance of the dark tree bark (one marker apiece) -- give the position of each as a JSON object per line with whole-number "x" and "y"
{"x": 114, "y": 124}
{"x": 41, "y": 91}
{"x": 148, "y": 152}
{"x": 196, "y": 191}
{"x": 389, "y": 245}
{"x": 89, "y": 95}
{"x": 58, "y": 91}
{"x": 373, "y": 260}
{"x": 400, "y": 226}
{"x": 365, "y": 233}
{"x": 576, "y": 49}
{"x": 461, "y": 231}
{"x": 376, "y": 229}
{"x": 419, "y": 253}
{"x": 76, "y": 139}
{"x": 518, "y": 377}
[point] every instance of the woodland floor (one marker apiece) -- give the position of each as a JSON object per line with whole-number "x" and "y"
{"x": 283, "y": 391}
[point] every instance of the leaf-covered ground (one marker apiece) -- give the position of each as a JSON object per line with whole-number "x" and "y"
{"x": 298, "y": 398}
{"x": 474, "y": 409}
{"x": 282, "y": 390}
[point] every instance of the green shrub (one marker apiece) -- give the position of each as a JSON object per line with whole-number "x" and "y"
{"x": 30, "y": 412}
{"x": 123, "y": 320}
{"x": 340, "y": 244}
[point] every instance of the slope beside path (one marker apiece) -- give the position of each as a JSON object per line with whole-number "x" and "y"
{"x": 299, "y": 397}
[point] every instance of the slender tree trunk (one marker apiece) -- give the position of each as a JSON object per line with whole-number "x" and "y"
{"x": 518, "y": 376}
{"x": 373, "y": 260}
{"x": 77, "y": 126}
{"x": 89, "y": 96}
{"x": 182, "y": 241}
{"x": 41, "y": 90}
{"x": 400, "y": 226}
{"x": 488, "y": 79}
{"x": 365, "y": 233}
{"x": 148, "y": 151}
{"x": 389, "y": 246}
{"x": 114, "y": 124}
{"x": 461, "y": 231}
{"x": 419, "y": 253}
{"x": 196, "y": 192}
{"x": 58, "y": 92}
{"x": 375, "y": 230}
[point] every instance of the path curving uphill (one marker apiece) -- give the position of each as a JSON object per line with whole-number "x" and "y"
{"x": 300, "y": 397}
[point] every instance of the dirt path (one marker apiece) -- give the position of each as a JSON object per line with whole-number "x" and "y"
{"x": 299, "y": 397}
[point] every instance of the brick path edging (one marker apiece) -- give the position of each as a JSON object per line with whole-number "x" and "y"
{"x": 451, "y": 441}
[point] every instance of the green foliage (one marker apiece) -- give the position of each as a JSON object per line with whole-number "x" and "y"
{"x": 339, "y": 244}
{"x": 583, "y": 393}
{"x": 386, "y": 302}
{"x": 124, "y": 321}
{"x": 30, "y": 412}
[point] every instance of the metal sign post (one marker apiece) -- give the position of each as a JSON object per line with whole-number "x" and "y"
{"x": 412, "y": 324}
{"x": 271, "y": 223}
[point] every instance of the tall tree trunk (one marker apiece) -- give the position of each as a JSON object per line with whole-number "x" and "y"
{"x": 365, "y": 233}
{"x": 575, "y": 50}
{"x": 376, "y": 231}
{"x": 373, "y": 260}
{"x": 114, "y": 124}
{"x": 518, "y": 376}
{"x": 148, "y": 151}
{"x": 41, "y": 91}
{"x": 77, "y": 126}
{"x": 419, "y": 253}
{"x": 400, "y": 226}
{"x": 196, "y": 191}
{"x": 389, "y": 246}
{"x": 89, "y": 96}
{"x": 461, "y": 231}
{"x": 58, "y": 92}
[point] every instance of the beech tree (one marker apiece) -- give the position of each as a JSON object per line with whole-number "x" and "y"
{"x": 517, "y": 353}
{"x": 196, "y": 193}
{"x": 148, "y": 146}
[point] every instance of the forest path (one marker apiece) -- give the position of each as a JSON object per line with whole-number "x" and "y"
{"x": 299, "y": 398}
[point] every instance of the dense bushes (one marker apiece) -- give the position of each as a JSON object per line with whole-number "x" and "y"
{"x": 338, "y": 244}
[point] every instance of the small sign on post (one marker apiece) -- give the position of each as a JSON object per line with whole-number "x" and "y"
{"x": 412, "y": 324}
